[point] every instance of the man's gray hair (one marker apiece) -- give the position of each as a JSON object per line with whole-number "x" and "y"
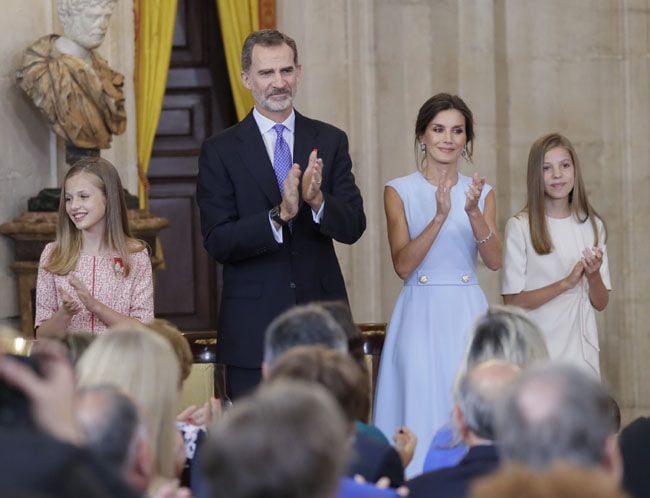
{"x": 305, "y": 325}
{"x": 265, "y": 38}
{"x": 479, "y": 391}
{"x": 288, "y": 440}
{"x": 557, "y": 412}
{"x": 112, "y": 426}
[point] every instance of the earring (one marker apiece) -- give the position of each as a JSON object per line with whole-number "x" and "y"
{"x": 423, "y": 147}
{"x": 464, "y": 154}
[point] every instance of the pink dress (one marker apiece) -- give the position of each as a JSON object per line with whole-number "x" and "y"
{"x": 131, "y": 296}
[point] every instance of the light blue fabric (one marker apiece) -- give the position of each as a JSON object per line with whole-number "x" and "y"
{"x": 351, "y": 489}
{"x": 433, "y": 315}
{"x": 445, "y": 450}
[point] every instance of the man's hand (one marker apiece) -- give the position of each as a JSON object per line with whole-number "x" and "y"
{"x": 290, "y": 197}
{"x": 311, "y": 182}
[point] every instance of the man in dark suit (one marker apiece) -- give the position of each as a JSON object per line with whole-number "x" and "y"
{"x": 476, "y": 397}
{"x": 274, "y": 191}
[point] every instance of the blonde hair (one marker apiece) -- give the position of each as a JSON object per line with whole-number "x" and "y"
{"x": 535, "y": 206}
{"x": 178, "y": 342}
{"x": 142, "y": 365}
{"x": 117, "y": 234}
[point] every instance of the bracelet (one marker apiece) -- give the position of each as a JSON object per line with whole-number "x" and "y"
{"x": 483, "y": 241}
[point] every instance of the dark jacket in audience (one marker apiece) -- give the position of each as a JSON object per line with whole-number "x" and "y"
{"x": 634, "y": 441}
{"x": 374, "y": 459}
{"x": 454, "y": 482}
{"x": 38, "y": 463}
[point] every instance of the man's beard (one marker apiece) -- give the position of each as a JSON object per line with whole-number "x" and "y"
{"x": 277, "y": 105}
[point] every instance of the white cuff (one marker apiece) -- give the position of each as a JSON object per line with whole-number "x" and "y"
{"x": 277, "y": 232}
{"x": 318, "y": 216}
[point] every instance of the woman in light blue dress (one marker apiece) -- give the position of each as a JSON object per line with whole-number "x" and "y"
{"x": 437, "y": 221}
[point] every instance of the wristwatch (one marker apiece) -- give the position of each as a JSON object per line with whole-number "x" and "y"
{"x": 274, "y": 214}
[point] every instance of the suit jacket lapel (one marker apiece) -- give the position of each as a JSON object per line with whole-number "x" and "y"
{"x": 304, "y": 141}
{"x": 253, "y": 153}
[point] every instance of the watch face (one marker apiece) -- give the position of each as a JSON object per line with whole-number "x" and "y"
{"x": 275, "y": 215}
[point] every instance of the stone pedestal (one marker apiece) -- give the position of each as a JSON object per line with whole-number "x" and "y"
{"x": 33, "y": 230}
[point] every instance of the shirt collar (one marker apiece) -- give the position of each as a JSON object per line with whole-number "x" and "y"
{"x": 265, "y": 124}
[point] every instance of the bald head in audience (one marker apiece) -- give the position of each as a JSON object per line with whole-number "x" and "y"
{"x": 559, "y": 413}
{"x": 477, "y": 395}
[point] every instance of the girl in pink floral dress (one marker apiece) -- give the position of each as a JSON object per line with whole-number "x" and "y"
{"x": 95, "y": 274}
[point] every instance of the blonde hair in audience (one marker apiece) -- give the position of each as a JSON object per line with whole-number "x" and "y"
{"x": 142, "y": 365}
{"x": 117, "y": 234}
{"x": 178, "y": 342}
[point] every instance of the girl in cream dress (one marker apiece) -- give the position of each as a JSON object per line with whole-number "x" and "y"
{"x": 555, "y": 262}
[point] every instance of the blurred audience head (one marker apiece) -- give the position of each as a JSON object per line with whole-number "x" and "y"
{"x": 304, "y": 325}
{"x": 288, "y": 440}
{"x": 505, "y": 333}
{"x": 634, "y": 442}
{"x": 115, "y": 433}
{"x": 337, "y": 372}
{"x": 564, "y": 481}
{"x": 477, "y": 395}
{"x": 558, "y": 413}
{"x": 178, "y": 342}
{"x": 75, "y": 344}
{"x": 142, "y": 365}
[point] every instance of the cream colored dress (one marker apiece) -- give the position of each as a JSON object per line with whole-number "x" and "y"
{"x": 568, "y": 321}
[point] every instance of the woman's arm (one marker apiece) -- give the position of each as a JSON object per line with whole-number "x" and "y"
{"x": 407, "y": 254}
{"x": 484, "y": 227}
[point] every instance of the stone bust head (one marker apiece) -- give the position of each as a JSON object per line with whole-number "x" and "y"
{"x": 85, "y": 22}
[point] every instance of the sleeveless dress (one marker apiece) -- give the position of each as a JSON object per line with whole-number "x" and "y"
{"x": 433, "y": 315}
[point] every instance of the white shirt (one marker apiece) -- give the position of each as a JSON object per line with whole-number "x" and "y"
{"x": 270, "y": 136}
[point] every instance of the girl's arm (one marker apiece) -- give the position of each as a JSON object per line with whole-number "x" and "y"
{"x": 407, "y": 254}
{"x": 55, "y": 326}
{"x": 107, "y": 315}
{"x": 535, "y": 298}
{"x": 484, "y": 227}
{"x": 50, "y": 319}
{"x": 598, "y": 293}
{"x": 141, "y": 305}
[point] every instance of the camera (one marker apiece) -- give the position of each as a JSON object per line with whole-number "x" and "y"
{"x": 15, "y": 410}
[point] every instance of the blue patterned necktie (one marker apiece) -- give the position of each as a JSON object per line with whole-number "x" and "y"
{"x": 281, "y": 157}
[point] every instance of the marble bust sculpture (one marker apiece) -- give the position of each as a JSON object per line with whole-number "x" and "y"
{"x": 79, "y": 94}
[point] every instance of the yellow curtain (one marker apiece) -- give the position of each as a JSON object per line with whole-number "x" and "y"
{"x": 237, "y": 19}
{"x": 154, "y": 21}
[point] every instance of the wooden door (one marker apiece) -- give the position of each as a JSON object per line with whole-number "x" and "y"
{"x": 197, "y": 104}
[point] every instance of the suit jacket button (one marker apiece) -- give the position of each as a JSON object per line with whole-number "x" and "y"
{"x": 292, "y": 285}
